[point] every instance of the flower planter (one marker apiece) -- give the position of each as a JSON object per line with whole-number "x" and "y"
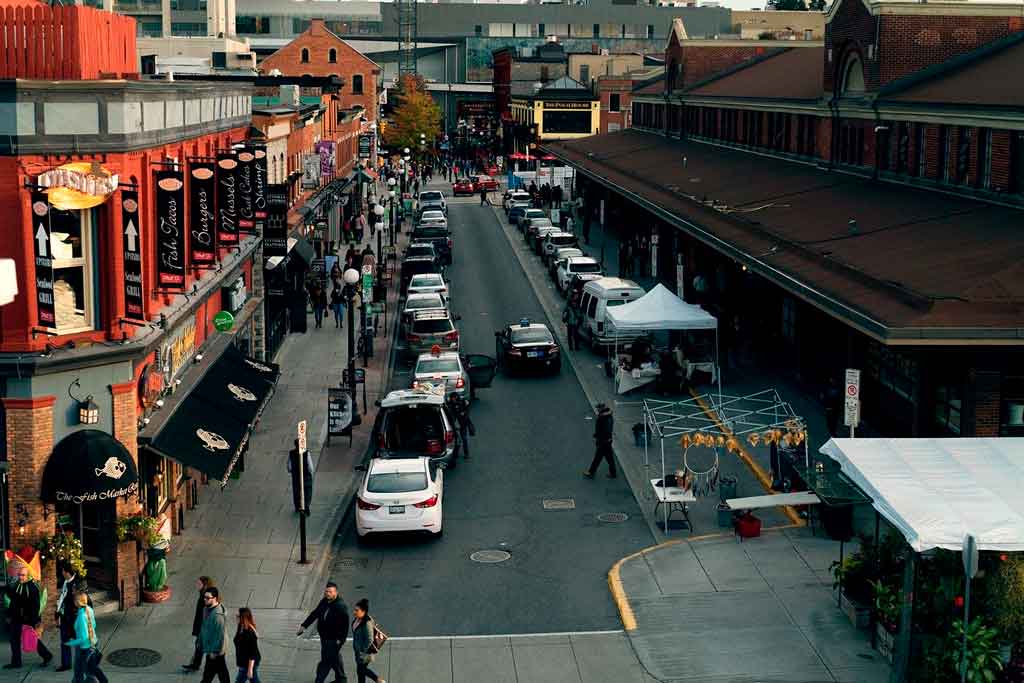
{"x": 157, "y": 596}
{"x": 858, "y": 614}
{"x": 885, "y": 643}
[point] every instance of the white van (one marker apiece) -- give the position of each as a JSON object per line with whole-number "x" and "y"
{"x": 598, "y": 296}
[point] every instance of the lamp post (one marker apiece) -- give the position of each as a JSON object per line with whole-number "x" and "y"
{"x": 351, "y": 277}
{"x": 378, "y": 211}
{"x": 391, "y": 216}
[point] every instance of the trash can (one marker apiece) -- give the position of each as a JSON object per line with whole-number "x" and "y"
{"x": 727, "y": 488}
{"x": 724, "y": 516}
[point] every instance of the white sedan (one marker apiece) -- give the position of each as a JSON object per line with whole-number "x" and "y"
{"x": 400, "y": 494}
{"x": 428, "y": 283}
{"x": 573, "y": 265}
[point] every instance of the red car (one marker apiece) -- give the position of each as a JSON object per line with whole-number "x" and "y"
{"x": 484, "y": 182}
{"x": 463, "y": 186}
{"x": 492, "y": 170}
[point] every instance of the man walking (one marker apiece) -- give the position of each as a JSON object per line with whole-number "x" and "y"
{"x": 483, "y": 196}
{"x": 571, "y": 318}
{"x": 307, "y": 477}
{"x": 460, "y": 408}
{"x": 23, "y": 609}
{"x": 213, "y": 638}
{"x": 603, "y": 431}
{"x": 331, "y": 617}
{"x": 67, "y": 612}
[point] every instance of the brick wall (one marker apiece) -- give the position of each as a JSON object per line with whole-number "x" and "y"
{"x": 985, "y": 389}
{"x": 701, "y": 61}
{"x": 1000, "y": 159}
{"x": 852, "y": 29}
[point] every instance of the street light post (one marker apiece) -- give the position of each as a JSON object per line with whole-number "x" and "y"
{"x": 378, "y": 211}
{"x": 351, "y": 277}
{"x": 391, "y": 216}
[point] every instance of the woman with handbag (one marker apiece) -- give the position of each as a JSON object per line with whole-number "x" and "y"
{"x": 87, "y": 657}
{"x": 247, "y": 649}
{"x": 363, "y": 628}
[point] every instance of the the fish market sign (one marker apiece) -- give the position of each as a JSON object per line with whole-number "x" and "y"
{"x": 94, "y": 496}
{"x": 178, "y": 350}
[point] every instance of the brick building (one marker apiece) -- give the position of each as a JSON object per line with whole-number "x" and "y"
{"x": 616, "y": 95}
{"x": 125, "y": 250}
{"x": 844, "y": 205}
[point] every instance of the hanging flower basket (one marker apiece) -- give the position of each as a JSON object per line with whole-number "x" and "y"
{"x": 63, "y": 547}
{"x": 142, "y": 528}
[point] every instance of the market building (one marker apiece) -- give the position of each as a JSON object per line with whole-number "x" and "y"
{"x": 851, "y": 204}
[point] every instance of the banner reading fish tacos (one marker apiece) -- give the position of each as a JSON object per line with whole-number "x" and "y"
{"x": 170, "y": 229}
{"x": 227, "y": 198}
{"x": 246, "y": 180}
{"x": 202, "y": 215}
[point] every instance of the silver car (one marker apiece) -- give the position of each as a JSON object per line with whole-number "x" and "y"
{"x": 432, "y": 328}
{"x": 443, "y": 368}
{"x": 424, "y": 301}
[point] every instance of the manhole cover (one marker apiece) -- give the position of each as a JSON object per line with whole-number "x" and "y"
{"x": 352, "y": 562}
{"x": 612, "y": 517}
{"x": 134, "y": 657}
{"x": 490, "y": 556}
{"x": 559, "y": 504}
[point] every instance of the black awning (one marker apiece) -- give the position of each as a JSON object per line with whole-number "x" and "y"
{"x": 211, "y": 426}
{"x": 89, "y": 466}
{"x": 303, "y": 249}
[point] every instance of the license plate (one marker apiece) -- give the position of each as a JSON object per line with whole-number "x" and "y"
{"x": 534, "y": 354}
{"x": 396, "y": 509}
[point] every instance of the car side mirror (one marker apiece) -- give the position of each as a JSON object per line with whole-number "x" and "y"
{"x": 458, "y": 318}
{"x": 377, "y": 403}
{"x": 360, "y": 468}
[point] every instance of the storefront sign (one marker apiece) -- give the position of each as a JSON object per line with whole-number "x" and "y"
{"x": 326, "y": 151}
{"x": 566, "y": 105}
{"x": 339, "y": 412}
{"x": 78, "y": 185}
{"x": 170, "y": 229}
{"x": 227, "y": 198}
{"x": 44, "y": 259}
{"x": 310, "y": 171}
{"x": 178, "y": 350}
{"x": 259, "y": 185}
{"x": 275, "y": 235}
{"x": 132, "y": 253}
{"x": 319, "y": 269}
{"x": 246, "y": 175}
{"x": 202, "y": 216}
{"x": 365, "y": 145}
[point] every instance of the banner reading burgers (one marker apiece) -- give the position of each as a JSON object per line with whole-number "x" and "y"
{"x": 202, "y": 214}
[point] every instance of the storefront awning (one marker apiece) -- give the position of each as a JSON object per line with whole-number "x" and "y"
{"x": 210, "y": 427}
{"x": 89, "y": 466}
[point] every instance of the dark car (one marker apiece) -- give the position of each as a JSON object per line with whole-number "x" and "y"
{"x": 462, "y": 186}
{"x": 438, "y": 235}
{"x": 418, "y": 266}
{"x": 412, "y": 424}
{"x": 527, "y": 345}
{"x": 420, "y": 250}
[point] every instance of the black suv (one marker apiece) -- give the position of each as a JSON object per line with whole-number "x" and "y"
{"x": 412, "y": 423}
{"x": 438, "y": 235}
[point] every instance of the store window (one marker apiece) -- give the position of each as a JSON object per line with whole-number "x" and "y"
{"x": 74, "y": 288}
{"x": 614, "y": 101}
{"x": 985, "y": 158}
{"x": 893, "y": 370}
{"x": 919, "y": 145}
{"x": 948, "y": 407}
{"x": 585, "y": 74}
{"x": 789, "y": 320}
{"x": 597, "y": 30}
{"x": 963, "y": 155}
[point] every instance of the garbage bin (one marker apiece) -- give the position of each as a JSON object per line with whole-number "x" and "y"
{"x": 724, "y": 516}
{"x": 727, "y": 488}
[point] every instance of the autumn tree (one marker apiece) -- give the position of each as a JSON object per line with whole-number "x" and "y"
{"x": 416, "y": 113}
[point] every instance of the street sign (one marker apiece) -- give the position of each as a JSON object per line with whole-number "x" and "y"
{"x": 851, "y": 412}
{"x": 300, "y": 431}
{"x": 223, "y": 321}
{"x": 970, "y": 556}
{"x": 852, "y": 383}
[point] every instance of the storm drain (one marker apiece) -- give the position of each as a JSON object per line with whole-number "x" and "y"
{"x": 559, "y": 504}
{"x": 612, "y": 517}
{"x": 134, "y": 657}
{"x": 490, "y": 556}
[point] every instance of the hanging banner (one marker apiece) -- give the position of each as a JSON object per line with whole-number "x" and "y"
{"x": 259, "y": 186}
{"x": 202, "y": 223}
{"x": 44, "y": 259}
{"x": 365, "y": 145}
{"x": 246, "y": 178}
{"x": 227, "y": 198}
{"x": 275, "y": 234}
{"x": 326, "y": 150}
{"x": 170, "y": 229}
{"x": 310, "y": 171}
{"x": 132, "y": 251}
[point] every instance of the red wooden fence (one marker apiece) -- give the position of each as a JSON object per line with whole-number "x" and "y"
{"x": 65, "y": 43}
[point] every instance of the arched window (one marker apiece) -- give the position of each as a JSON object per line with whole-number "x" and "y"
{"x": 332, "y": 56}
{"x": 305, "y": 55}
{"x": 853, "y": 76}
{"x": 357, "y": 84}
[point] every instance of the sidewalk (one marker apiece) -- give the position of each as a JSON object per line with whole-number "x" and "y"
{"x": 715, "y": 610}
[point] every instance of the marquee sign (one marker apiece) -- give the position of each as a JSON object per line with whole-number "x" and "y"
{"x": 566, "y": 105}
{"x": 202, "y": 188}
{"x": 78, "y": 185}
{"x": 170, "y": 229}
{"x": 44, "y": 260}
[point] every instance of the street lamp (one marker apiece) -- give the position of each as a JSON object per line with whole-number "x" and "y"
{"x": 391, "y": 218}
{"x": 378, "y": 226}
{"x": 351, "y": 277}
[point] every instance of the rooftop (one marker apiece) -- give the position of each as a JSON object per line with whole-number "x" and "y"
{"x": 784, "y": 74}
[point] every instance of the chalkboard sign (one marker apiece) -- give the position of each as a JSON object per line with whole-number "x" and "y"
{"x": 339, "y": 412}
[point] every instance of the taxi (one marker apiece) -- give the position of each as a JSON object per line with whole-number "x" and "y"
{"x": 527, "y": 345}
{"x": 441, "y": 369}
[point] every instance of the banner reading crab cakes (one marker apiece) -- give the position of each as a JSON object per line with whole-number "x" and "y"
{"x": 44, "y": 259}
{"x": 246, "y": 179}
{"x": 132, "y": 252}
{"x": 202, "y": 221}
{"x": 227, "y": 199}
{"x": 259, "y": 186}
{"x": 170, "y": 229}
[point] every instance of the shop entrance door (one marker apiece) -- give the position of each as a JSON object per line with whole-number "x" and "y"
{"x": 93, "y": 524}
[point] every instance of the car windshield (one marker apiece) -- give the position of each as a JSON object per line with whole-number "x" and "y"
{"x": 432, "y": 326}
{"x": 432, "y": 216}
{"x": 535, "y": 213}
{"x": 411, "y": 428}
{"x": 431, "y": 231}
{"x": 615, "y": 302}
{"x": 433, "y": 301}
{"x": 420, "y": 250}
{"x": 437, "y": 365}
{"x": 521, "y": 197}
{"x": 562, "y": 239}
{"x": 586, "y": 267}
{"x": 396, "y": 482}
{"x": 530, "y": 335}
{"x": 426, "y": 280}
{"x": 431, "y": 196}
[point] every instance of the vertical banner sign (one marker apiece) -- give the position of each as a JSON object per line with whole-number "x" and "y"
{"x": 227, "y": 199}
{"x": 259, "y": 186}
{"x": 202, "y": 221}
{"x": 275, "y": 235}
{"x": 246, "y": 179}
{"x": 132, "y": 253}
{"x": 44, "y": 259}
{"x": 170, "y": 229}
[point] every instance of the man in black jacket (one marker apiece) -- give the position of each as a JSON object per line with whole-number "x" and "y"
{"x": 23, "y": 610}
{"x": 603, "y": 433}
{"x": 331, "y": 617}
{"x": 67, "y": 612}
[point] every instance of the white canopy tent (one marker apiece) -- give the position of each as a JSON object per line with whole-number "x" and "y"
{"x": 935, "y": 491}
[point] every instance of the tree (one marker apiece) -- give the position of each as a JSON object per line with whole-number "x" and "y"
{"x": 798, "y": 5}
{"x": 817, "y": 5}
{"x": 416, "y": 113}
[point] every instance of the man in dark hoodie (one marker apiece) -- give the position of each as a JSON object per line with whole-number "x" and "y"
{"x": 213, "y": 638}
{"x": 331, "y": 617}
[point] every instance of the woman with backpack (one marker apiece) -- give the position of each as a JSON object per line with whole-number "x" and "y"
{"x": 87, "y": 657}
{"x": 362, "y": 638}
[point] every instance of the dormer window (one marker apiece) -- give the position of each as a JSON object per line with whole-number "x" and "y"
{"x": 305, "y": 55}
{"x": 853, "y": 77}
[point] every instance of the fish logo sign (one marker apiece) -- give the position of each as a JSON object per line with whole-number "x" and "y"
{"x": 212, "y": 441}
{"x": 241, "y": 393}
{"x": 259, "y": 366}
{"x": 112, "y": 468}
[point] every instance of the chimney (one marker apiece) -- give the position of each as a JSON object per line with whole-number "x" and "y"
{"x": 594, "y": 49}
{"x": 317, "y": 28}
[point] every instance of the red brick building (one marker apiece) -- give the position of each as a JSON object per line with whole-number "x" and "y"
{"x": 845, "y": 205}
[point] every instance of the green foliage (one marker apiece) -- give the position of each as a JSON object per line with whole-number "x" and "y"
{"x": 63, "y": 547}
{"x": 140, "y": 527}
{"x": 817, "y": 5}
{"x": 415, "y": 114}
{"x": 867, "y": 564}
{"x": 1006, "y": 597}
{"x": 887, "y": 605}
{"x": 798, "y": 5}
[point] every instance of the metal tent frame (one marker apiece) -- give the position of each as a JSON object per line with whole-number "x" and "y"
{"x": 717, "y": 414}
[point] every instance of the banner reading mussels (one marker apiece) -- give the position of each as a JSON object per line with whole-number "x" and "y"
{"x": 202, "y": 217}
{"x": 170, "y": 229}
{"x": 246, "y": 180}
{"x": 259, "y": 186}
{"x": 132, "y": 251}
{"x": 227, "y": 198}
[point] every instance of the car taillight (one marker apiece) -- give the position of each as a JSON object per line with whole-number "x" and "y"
{"x": 459, "y": 383}
{"x": 452, "y": 336}
{"x": 414, "y": 338}
{"x": 363, "y": 505}
{"x": 428, "y": 503}
{"x": 515, "y": 352}
{"x": 434, "y": 446}
{"x": 449, "y": 242}
{"x": 449, "y": 437}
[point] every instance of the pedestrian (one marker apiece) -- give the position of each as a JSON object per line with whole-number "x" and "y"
{"x": 346, "y": 229}
{"x": 337, "y": 305}
{"x": 360, "y": 227}
{"x": 483, "y": 196}
{"x": 247, "y": 649}
{"x": 460, "y": 410}
{"x": 24, "y": 609}
{"x": 331, "y": 617}
{"x": 87, "y": 657}
{"x": 557, "y": 196}
{"x": 362, "y": 639}
{"x": 202, "y": 583}
{"x": 318, "y": 298}
{"x": 213, "y": 638}
{"x": 67, "y": 613}
{"x": 351, "y": 255}
{"x": 336, "y": 273}
{"x": 604, "y": 428}
{"x": 307, "y": 477}
{"x": 367, "y": 258}
{"x": 571, "y": 318}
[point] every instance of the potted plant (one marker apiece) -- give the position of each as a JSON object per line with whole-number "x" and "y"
{"x": 887, "y": 604}
{"x": 63, "y": 547}
{"x": 852, "y": 583}
{"x": 142, "y": 528}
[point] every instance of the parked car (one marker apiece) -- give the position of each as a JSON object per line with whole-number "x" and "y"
{"x": 417, "y": 266}
{"x": 575, "y": 265}
{"x": 429, "y": 329}
{"x": 529, "y": 214}
{"x": 400, "y": 494}
{"x": 484, "y": 182}
{"x": 432, "y": 217}
{"x": 428, "y": 282}
{"x": 427, "y": 301}
{"x": 539, "y": 234}
{"x": 437, "y": 234}
{"x": 553, "y": 241}
{"x": 413, "y": 424}
{"x": 527, "y": 345}
{"x": 561, "y": 254}
{"x": 432, "y": 206}
{"x": 531, "y": 226}
{"x": 420, "y": 250}
{"x": 462, "y": 186}
{"x": 458, "y": 374}
{"x": 576, "y": 283}
{"x": 518, "y": 200}
{"x": 432, "y": 197}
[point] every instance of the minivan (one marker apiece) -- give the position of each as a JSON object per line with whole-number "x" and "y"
{"x": 600, "y": 295}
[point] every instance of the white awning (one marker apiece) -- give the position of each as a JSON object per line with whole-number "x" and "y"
{"x": 660, "y": 309}
{"x": 935, "y": 491}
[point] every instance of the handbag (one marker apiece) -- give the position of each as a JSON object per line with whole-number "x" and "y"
{"x": 29, "y": 638}
{"x": 379, "y": 638}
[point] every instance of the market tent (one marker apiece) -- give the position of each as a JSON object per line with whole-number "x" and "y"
{"x": 935, "y": 491}
{"x": 660, "y": 309}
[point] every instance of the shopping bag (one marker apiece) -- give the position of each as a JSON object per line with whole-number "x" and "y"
{"x": 29, "y": 638}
